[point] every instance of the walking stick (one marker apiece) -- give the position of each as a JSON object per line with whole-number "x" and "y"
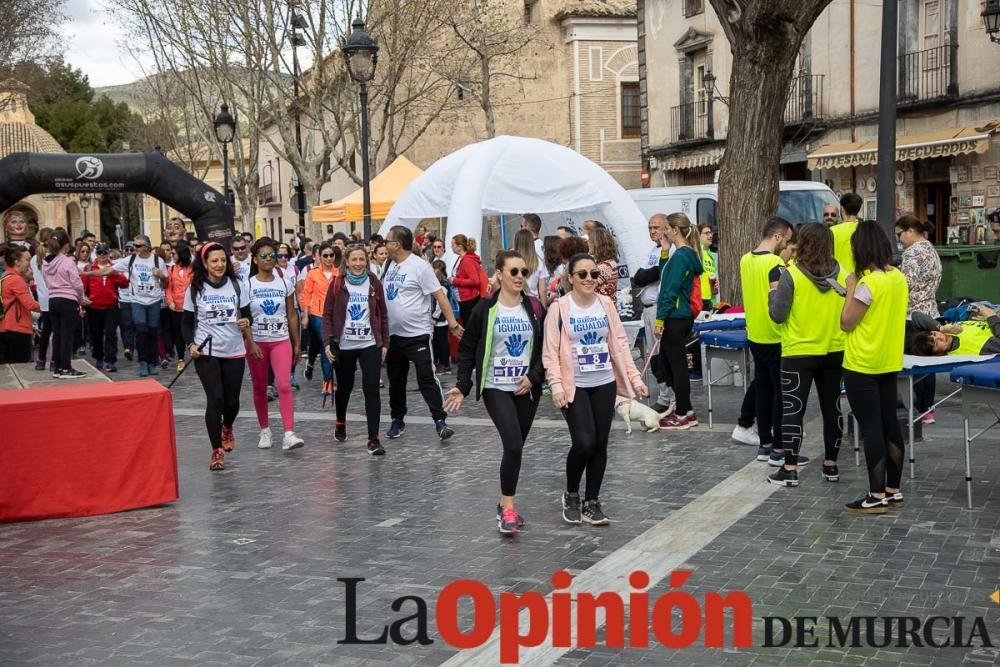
{"x": 181, "y": 371}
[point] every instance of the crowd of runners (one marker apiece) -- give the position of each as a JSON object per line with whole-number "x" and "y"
{"x": 823, "y": 302}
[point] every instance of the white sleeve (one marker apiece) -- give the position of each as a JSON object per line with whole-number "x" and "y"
{"x": 188, "y": 303}
{"x": 245, "y": 293}
{"x": 121, "y": 265}
{"x": 427, "y": 280}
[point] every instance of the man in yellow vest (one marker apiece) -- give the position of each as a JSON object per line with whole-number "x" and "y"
{"x": 759, "y": 270}
{"x": 850, "y": 206}
{"x": 978, "y": 337}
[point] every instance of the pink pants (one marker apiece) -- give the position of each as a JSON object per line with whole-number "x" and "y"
{"x": 277, "y": 356}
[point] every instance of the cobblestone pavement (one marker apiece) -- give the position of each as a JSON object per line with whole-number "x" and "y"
{"x": 243, "y": 569}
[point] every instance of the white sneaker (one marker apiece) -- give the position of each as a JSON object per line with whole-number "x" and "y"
{"x": 746, "y": 435}
{"x": 265, "y": 439}
{"x": 291, "y": 441}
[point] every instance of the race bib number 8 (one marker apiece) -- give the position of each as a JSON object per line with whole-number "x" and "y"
{"x": 591, "y": 358}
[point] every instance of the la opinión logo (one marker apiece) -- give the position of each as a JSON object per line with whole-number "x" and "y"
{"x": 675, "y": 619}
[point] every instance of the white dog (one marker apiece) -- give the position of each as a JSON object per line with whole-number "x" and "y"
{"x": 630, "y": 408}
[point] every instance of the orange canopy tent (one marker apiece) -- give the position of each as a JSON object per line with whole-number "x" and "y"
{"x": 386, "y": 188}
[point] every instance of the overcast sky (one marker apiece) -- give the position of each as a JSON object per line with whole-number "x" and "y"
{"x": 94, "y": 44}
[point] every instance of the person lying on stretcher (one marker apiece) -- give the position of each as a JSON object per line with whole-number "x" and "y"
{"x": 979, "y": 336}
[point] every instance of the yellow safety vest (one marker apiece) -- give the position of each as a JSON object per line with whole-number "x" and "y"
{"x": 754, "y": 278}
{"x": 813, "y": 324}
{"x": 876, "y": 344}
{"x": 707, "y": 273}
{"x": 842, "y": 234}
{"x": 973, "y": 337}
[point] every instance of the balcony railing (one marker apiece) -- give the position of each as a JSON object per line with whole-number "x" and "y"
{"x": 805, "y": 99}
{"x": 265, "y": 194}
{"x": 689, "y": 122}
{"x": 928, "y": 74}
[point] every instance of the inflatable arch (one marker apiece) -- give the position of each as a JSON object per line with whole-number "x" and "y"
{"x": 24, "y": 174}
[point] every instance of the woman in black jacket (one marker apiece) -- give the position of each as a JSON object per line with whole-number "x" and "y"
{"x": 503, "y": 344}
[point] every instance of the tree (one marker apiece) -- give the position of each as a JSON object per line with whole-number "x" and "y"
{"x": 765, "y": 37}
{"x": 29, "y": 31}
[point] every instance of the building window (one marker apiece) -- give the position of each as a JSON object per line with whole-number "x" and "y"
{"x": 630, "y": 110}
{"x": 692, "y": 7}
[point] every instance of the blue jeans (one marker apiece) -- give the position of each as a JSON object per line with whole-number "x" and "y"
{"x": 147, "y": 326}
{"x": 316, "y": 329}
{"x": 126, "y": 326}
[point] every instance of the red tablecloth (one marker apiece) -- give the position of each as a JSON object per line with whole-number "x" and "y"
{"x": 79, "y": 450}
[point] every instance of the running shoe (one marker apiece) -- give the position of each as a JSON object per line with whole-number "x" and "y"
{"x": 143, "y": 369}
{"x": 110, "y": 368}
{"x": 895, "y": 500}
{"x": 180, "y": 366}
{"x": 396, "y": 429}
{"x": 692, "y": 418}
{"x": 520, "y": 517}
{"x": 746, "y": 435}
{"x": 127, "y": 352}
{"x": 784, "y": 477}
{"x": 928, "y": 418}
{"x": 164, "y": 362}
{"x": 228, "y": 439}
{"x": 291, "y": 441}
{"x": 265, "y": 439}
{"x": 40, "y": 365}
{"x": 571, "y": 507}
{"x": 70, "y": 374}
{"x": 831, "y": 473}
{"x": 340, "y": 431}
{"x": 509, "y": 522}
{"x": 868, "y": 504}
{"x": 308, "y": 372}
{"x": 375, "y": 447}
{"x": 777, "y": 459}
{"x": 593, "y": 514}
{"x": 295, "y": 382}
{"x": 674, "y": 423}
{"x": 153, "y": 370}
{"x": 218, "y": 460}
{"x": 443, "y": 430}
{"x": 763, "y": 454}
{"x": 272, "y": 393}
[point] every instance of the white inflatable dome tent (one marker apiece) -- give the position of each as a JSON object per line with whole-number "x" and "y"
{"x": 514, "y": 175}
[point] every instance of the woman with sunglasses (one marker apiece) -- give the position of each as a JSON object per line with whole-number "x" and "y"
{"x": 217, "y": 314}
{"x": 503, "y": 344}
{"x": 356, "y": 331}
{"x": 287, "y": 270}
{"x": 274, "y": 341}
{"x": 587, "y": 363}
{"x": 312, "y": 300}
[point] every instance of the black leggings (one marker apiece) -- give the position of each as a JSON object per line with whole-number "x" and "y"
{"x": 45, "y": 335}
{"x": 465, "y": 308}
{"x": 589, "y": 417}
{"x": 673, "y": 355}
{"x": 371, "y": 370}
{"x": 442, "y": 353}
{"x": 500, "y": 406}
{"x": 222, "y": 380}
{"x": 767, "y": 391}
{"x": 65, "y": 314}
{"x": 748, "y": 409}
{"x": 873, "y": 401}
{"x": 797, "y": 376}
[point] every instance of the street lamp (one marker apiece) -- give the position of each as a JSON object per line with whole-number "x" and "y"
{"x": 225, "y": 131}
{"x": 84, "y": 205}
{"x": 709, "y": 83}
{"x": 361, "y": 56}
{"x": 298, "y": 23}
{"x": 991, "y": 19}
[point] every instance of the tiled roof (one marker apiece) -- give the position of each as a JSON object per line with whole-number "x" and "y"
{"x": 18, "y": 137}
{"x": 598, "y": 8}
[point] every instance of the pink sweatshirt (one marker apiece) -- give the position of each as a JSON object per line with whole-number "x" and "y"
{"x": 557, "y": 355}
{"x": 62, "y": 278}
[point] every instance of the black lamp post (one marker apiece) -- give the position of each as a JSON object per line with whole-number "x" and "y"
{"x": 709, "y": 82}
{"x": 84, "y": 205}
{"x": 298, "y": 23}
{"x": 361, "y": 56}
{"x": 225, "y": 132}
{"x": 991, "y": 19}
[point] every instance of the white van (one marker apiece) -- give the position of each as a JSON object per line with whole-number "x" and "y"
{"x": 798, "y": 201}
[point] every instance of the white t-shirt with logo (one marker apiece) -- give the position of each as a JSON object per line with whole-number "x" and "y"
{"x": 216, "y": 316}
{"x": 267, "y": 306}
{"x": 588, "y": 334}
{"x": 242, "y": 270}
{"x": 511, "y": 353}
{"x": 143, "y": 286}
{"x": 357, "y": 333}
{"x": 408, "y": 288}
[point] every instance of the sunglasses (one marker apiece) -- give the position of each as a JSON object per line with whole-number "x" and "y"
{"x": 327, "y": 255}
{"x": 582, "y": 275}
{"x": 102, "y": 252}
{"x": 524, "y": 273}
{"x": 239, "y": 248}
{"x": 282, "y": 255}
{"x": 266, "y": 255}
{"x": 140, "y": 246}
{"x": 829, "y": 215}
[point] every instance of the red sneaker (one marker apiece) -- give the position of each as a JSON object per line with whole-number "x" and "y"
{"x": 228, "y": 439}
{"x": 218, "y": 460}
{"x": 674, "y": 423}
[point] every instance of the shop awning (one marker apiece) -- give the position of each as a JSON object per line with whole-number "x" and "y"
{"x": 940, "y": 143}
{"x": 693, "y": 160}
{"x": 386, "y": 188}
